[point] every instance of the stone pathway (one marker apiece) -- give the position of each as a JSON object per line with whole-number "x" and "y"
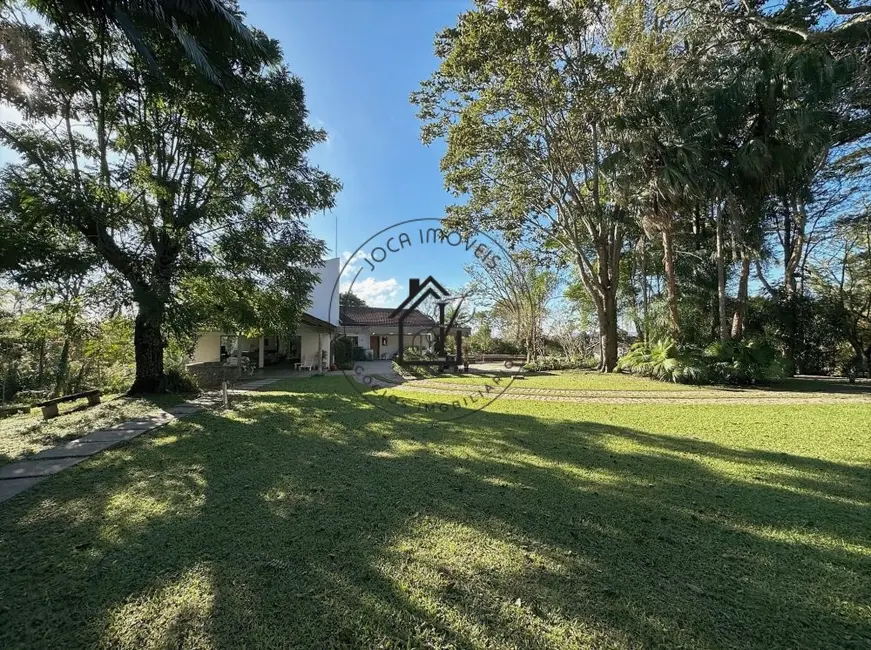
{"x": 24, "y": 474}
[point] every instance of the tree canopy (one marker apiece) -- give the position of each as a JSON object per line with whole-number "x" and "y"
{"x": 189, "y": 198}
{"x": 667, "y": 152}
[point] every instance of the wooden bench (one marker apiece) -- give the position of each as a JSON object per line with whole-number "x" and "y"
{"x": 6, "y": 411}
{"x": 49, "y": 407}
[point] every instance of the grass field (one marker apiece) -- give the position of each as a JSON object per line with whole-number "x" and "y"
{"x": 308, "y": 518}
{"x": 576, "y": 380}
{"x": 27, "y": 433}
{"x": 585, "y": 380}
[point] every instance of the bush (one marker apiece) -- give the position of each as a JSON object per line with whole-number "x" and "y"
{"x": 733, "y": 362}
{"x": 179, "y": 381}
{"x": 559, "y": 363}
{"x": 343, "y": 349}
{"x": 662, "y": 360}
{"x": 359, "y": 353}
{"x": 31, "y": 396}
{"x": 728, "y": 362}
{"x": 415, "y": 372}
{"x": 413, "y": 354}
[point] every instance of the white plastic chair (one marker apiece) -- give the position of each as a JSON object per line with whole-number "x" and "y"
{"x": 305, "y": 363}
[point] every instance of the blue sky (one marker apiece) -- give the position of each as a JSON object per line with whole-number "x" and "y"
{"x": 359, "y": 61}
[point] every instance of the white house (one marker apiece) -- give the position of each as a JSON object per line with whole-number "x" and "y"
{"x": 375, "y": 329}
{"x": 310, "y": 343}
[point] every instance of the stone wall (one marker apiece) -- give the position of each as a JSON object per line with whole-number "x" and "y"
{"x": 211, "y": 374}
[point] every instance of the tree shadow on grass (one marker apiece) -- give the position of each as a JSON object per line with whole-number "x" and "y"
{"x": 314, "y": 520}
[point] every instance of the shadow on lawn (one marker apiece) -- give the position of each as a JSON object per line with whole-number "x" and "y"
{"x": 313, "y": 521}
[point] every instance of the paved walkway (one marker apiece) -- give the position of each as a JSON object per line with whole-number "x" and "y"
{"x": 24, "y": 474}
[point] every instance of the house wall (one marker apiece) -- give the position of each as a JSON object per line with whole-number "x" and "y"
{"x": 207, "y": 348}
{"x": 392, "y": 346}
{"x": 308, "y": 337}
{"x": 324, "y": 295}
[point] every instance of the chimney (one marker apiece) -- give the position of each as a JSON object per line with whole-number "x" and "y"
{"x": 413, "y": 286}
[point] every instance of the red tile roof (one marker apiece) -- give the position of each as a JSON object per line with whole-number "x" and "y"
{"x": 380, "y": 317}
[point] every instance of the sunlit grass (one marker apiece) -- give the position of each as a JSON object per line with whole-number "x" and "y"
{"x": 571, "y": 379}
{"x": 27, "y": 433}
{"x": 585, "y": 380}
{"x": 311, "y": 518}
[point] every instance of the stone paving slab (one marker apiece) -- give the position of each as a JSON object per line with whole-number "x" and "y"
{"x": 141, "y": 425}
{"x": 76, "y": 448}
{"x": 44, "y": 467}
{"x": 10, "y": 487}
{"x": 20, "y": 476}
{"x": 112, "y": 435}
{"x": 184, "y": 410}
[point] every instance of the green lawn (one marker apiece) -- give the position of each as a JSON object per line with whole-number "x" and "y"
{"x": 585, "y": 380}
{"x": 27, "y": 433}
{"x": 577, "y": 380}
{"x": 307, "y": 518}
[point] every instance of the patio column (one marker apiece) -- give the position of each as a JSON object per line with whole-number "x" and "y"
{"x": 262, "y": 354}
{"x": 320, "y": 354}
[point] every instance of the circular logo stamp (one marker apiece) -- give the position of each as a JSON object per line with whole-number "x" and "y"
{"x": 412, "y": 357}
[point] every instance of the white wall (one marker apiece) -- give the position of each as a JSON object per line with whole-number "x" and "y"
{"x": 363, "y": 334}
{"x": 324, "y": 295}
{"x": 308, "y": 343}
{"x": 208, "y": 348}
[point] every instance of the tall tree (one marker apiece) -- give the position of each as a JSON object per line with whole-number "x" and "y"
{"x": 191, "y": 194}
{"x": 517, "y": 292}
{"x": 523, "y": 98}
{"x": 350, "y": 299}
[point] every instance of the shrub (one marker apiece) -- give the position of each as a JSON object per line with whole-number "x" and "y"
{"x": 179, "y": 381}
{"x": 410, "y": 371}
{"x": 559, "y": 363}
{"x": 728, "y": 362}
{"x": 343, "y": 349}
{"x": 31, "y": 396}
{"x": 413, "y": 354}
{"x": 662, "y": 360}
{"x": 732, "y": 362}
{"x": 359, "y": 353}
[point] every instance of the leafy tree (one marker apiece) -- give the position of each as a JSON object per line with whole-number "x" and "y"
{"x": 516, "y": 292}
{"x": 523, "y": 98}
{"x": 190, "y": 197}
{"x": 201, "y": 28}
{"x": 350, "y": 299}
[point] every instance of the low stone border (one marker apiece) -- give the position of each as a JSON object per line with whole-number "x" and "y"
{"x": 576, "y": 396}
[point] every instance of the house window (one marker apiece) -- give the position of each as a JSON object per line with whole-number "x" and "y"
{"x": 354, "y": 339}
{"x": 383, "y": 340}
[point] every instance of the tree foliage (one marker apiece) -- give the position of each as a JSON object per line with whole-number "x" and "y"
{"x": 189, "y": 197}
{"x": 678, "y": 156}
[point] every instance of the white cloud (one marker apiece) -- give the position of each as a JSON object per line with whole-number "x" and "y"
{"x": 376, "y": 293}
{"x": 351, "y": 266}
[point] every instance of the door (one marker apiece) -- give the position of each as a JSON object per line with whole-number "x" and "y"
{"x": 375, "y": 346}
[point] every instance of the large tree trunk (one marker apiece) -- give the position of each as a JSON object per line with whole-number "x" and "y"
{"x": 63, "y": 366}
{"x": 721, "y": 276}
{"x": 148, "y": 351}
{"x": 608, "y": 335}
{"x": 645, "y": 293}
{"x": 741, "y": 306}
{"x": 671, "y": 281}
